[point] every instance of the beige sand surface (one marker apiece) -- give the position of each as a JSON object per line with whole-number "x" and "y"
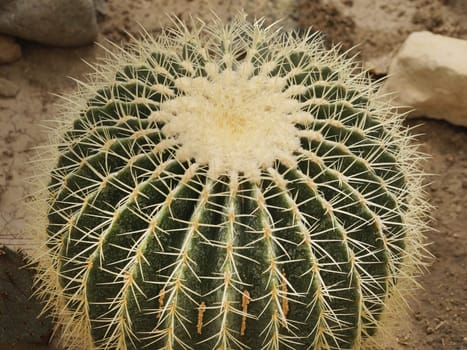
{"x": 437, "y": 319}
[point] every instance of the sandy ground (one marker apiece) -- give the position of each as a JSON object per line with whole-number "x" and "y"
{"x": 437, "y": 316}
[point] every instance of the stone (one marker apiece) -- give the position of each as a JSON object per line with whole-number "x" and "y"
{"x": 10, "y": 51}
{"x": 101, "y": 7}
{"x": 8, "y": 88}
{"x": 51, "y": 22}
{"x": 429, "y": 76}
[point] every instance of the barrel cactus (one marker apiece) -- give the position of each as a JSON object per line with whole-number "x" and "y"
{"x": 229, "y": 186}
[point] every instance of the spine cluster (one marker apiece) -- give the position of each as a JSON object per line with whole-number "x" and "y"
{"x": 229, "y": 187}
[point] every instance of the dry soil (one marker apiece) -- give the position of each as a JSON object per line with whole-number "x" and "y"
{"x": 437, "y": 316}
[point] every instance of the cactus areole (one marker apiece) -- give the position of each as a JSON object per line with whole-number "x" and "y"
{"x": 229, "y": 186}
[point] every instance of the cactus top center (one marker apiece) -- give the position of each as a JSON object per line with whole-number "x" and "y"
{"x": 232, "y": 120}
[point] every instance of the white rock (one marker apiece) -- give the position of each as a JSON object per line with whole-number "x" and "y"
{"x": 52, "y": 22}
{"x": 10, "y": 51}
{"x": 429, "y": 73}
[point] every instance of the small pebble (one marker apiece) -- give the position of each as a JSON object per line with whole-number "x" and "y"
{"x": 10, "y": 51}
{"x": 8, "y": 89}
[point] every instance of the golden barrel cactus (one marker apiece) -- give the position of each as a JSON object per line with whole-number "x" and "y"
{"x": 229, "y": 186}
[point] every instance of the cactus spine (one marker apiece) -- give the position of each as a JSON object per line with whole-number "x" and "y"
{"x": 231, "y": 186}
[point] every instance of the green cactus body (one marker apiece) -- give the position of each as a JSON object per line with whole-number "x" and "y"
{"x": 229, "y": 187}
